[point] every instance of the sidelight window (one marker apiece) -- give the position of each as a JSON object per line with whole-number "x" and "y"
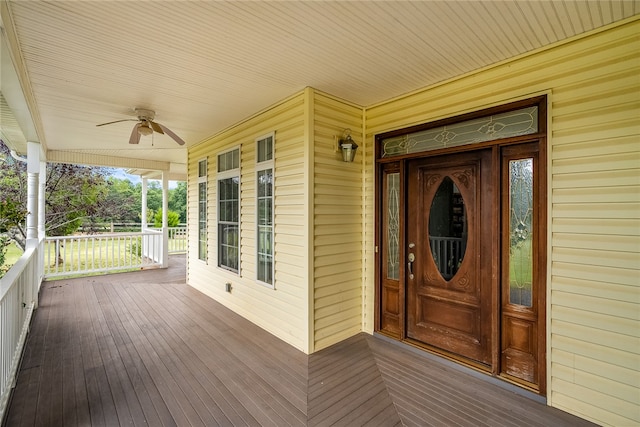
{"x": 520, "y": 231}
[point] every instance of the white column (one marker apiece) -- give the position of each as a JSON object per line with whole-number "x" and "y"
{"x": 33, "y": 186}
{"x": 42, "y": 230}
{"x": 143, "y": 214}
{"x": 165, "y": 223}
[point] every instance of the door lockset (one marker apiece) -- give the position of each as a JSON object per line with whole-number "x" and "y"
{"x": 411, "y": 258}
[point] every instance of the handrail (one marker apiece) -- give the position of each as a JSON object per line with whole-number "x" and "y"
{"x": 98, "y": 253}
{"x": 15, "y": 271}
{"x": 18, "y": 298}
{"x": 177, "y": 239}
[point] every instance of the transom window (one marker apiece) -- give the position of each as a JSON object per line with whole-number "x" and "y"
{"x": 229, "y": 210}
{"x": 264, "y": 207}
{"x": 523, "y": 121}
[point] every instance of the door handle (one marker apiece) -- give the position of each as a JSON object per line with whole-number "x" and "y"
{"x": 412, "y": 258}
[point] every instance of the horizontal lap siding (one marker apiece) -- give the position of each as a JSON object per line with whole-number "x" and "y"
{"x": 280, "y": 311}
{"x": 337, "y": 224}
{"x": 594, "y": 149}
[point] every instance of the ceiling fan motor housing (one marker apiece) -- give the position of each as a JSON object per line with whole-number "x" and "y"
{"x": 145, "y": 115}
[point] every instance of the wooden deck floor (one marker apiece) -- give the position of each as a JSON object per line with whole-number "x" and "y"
{"x": 144, "y": 349}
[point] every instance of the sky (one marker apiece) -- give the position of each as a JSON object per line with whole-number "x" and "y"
{"x": 135, "y": 179}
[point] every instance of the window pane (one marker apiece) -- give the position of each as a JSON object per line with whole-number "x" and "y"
{"x": 228, "y": 218}
{"x": 228, "y": 238}
{"x": 447, "y": 229}
{"x": 229, "y": 160}
{"x": 264, "y": 215}
{"x": 520, "y": 231}
{"x": 202, "y": 168}
{"x": 393, "y": 226}
{"x": 265, "y": 149}
{"x": 202, "y": 221}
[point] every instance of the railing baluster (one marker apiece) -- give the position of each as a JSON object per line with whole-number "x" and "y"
{"x": 118, "y": 251}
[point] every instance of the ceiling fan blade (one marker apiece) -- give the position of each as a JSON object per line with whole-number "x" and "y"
{"x": 156, "y": 127}
{"x": 135, "y": 136}
{"x": 169, "y": 132}
{"x": 117, "y": 121}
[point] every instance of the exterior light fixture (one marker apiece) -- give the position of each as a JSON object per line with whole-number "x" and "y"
{"x": 348, "y": 146}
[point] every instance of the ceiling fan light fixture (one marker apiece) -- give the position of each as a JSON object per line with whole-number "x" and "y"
{"x": 144, "y": 129}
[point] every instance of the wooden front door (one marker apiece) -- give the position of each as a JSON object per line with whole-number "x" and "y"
{"x": 451, "y": 231}
{"x": 461, "y": 247}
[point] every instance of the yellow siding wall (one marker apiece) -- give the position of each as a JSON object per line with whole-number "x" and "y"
{"x": 281, "y": 311}
{"x": 594, "y": 147}
{"x": 337, "y": 219}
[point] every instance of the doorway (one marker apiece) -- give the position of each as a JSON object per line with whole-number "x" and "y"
{"x": 462, "y": 252}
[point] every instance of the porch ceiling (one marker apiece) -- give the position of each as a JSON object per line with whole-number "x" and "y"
{"x": 203, "y": 66}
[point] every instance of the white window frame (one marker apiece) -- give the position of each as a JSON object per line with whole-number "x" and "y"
{"x": 202, "y": 179}
{"x": 231, "y": 173}
{"x": 259, "y": 167}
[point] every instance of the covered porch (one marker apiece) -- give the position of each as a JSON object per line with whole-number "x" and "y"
{"x": 144, "y": 348}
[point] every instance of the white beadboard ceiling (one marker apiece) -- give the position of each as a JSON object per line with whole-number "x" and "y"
{"x": 204, "y": 66}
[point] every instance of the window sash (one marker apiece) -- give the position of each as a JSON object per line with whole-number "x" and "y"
{"x": 264, "y": 217}
{"x": 202, "y": 210}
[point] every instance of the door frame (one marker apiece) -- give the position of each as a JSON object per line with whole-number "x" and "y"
{"x": 398, "y": 164}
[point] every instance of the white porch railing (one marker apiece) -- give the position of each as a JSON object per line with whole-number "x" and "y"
{"x": 177, "y": 239}
{"x": 447, "y": 253}
{"x": 18, "y": 297}
{"x": 72, "y": 255}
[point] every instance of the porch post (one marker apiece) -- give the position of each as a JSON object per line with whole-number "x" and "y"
{"x": 42, "y": 230}
{"x": 165, "y": 222}
{"x": 33, "y": 184}
{"x": 143, "y": 214}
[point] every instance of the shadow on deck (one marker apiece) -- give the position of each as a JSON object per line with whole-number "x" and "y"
{"x": 145, "y": 349}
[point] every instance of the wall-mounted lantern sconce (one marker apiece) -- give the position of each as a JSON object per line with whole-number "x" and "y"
{"x": 348, "y": 146}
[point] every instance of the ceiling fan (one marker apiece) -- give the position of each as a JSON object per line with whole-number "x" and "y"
{"x": 146, "y": 126}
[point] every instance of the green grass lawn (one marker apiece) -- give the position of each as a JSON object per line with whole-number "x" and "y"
{"x": 100, "y": 253}
{"x": 12, "y": 256}
{"x": 82, "y": 258}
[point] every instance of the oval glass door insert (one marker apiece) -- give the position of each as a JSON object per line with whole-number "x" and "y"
{"x": 448, "y": 228}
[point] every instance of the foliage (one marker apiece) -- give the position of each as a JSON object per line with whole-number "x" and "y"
{"x": 173, "y": 218}
{"x": 4, "y": 242}
{"x": 72, "y": 194}
{"x": 79, "y": 195}
{"x": 135, "y": 247}
{"x": 178, "y": 200}
{"x": 11, "y": 213}
{"x": 122, "y": 202}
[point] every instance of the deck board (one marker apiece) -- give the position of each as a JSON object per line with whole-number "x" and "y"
{"x": 144, "y": 349}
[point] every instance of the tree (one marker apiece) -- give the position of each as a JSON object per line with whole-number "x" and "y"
{"x": 123, "y": 201}
{"x": 73, "y": 193}
{"x": 178, "y": 200}
{"x": 173, "y": 219}
{"x": 154, "y": 196}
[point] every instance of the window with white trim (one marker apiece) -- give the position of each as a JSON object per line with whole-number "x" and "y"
{"x": 229, "y": 210}
{"x": 264, "y": 208}
{"x": 202, "y": 210}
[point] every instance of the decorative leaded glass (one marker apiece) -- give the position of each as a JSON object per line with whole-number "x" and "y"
{"x": 393, "y": 226}
{"x": 489, "y": 128}
{"x": 520, "y": 231}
